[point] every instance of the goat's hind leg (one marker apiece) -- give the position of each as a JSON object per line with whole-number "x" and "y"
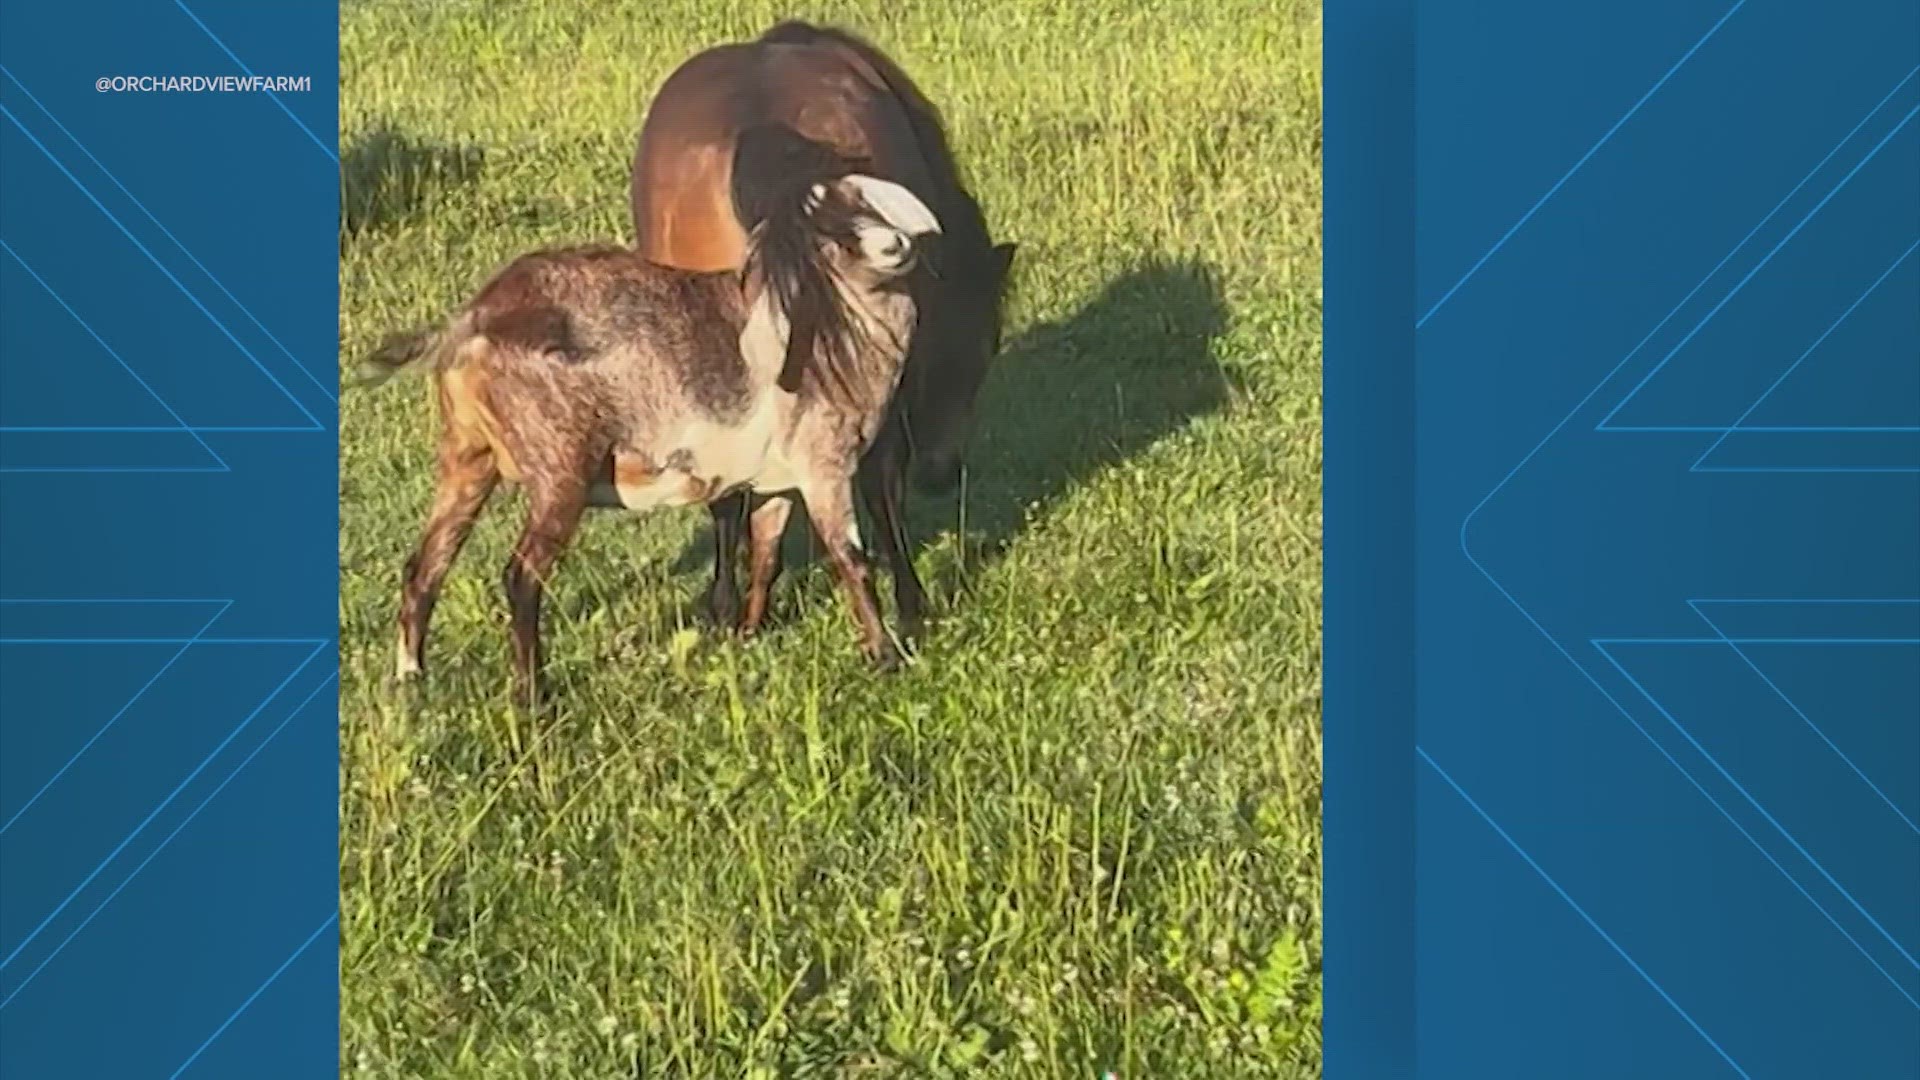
{"x": 466, "y": 477}
{"x": 554, "y": 509}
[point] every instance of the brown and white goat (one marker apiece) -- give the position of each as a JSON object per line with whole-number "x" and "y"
{"x": 592, "y": 377}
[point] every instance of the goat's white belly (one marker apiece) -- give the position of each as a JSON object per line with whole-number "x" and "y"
{"x": 636, "y": 487}
{"x": 700, "y": 461}
{"x": 777, "y": 473}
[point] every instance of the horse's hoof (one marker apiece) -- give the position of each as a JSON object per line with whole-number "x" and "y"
{"x": 887, "y": 660}
{"x": 722, "y": 611}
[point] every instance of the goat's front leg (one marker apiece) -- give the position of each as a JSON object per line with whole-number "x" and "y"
{"x": 553, "y": 513}
{"x": 767, "y": 526}
{"x": 830, "y": 508}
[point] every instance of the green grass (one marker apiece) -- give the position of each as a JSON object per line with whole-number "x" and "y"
{"x": 1082, "y": 833}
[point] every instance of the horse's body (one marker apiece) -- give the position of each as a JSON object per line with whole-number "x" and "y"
{"x": 595, "y": 377}
{"x": 834, "y": 88}
{"x": 683, "y": 168}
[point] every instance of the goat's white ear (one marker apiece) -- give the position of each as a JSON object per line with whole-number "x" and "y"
{"x": 897, "y": 206}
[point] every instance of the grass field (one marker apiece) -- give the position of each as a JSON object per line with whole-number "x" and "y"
{"x": 1082, "y": 833}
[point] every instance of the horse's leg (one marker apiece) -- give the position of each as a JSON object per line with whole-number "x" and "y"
{"x": 466, "y": 477}
{"x": 553, "y": 513}
{"x": 830, "y": 507}
{"x": 883, "y": 485}
{"x": 767, "y": 527}
{"x": 723, "y": 597}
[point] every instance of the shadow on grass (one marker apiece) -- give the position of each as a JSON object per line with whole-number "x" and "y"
{"x": 388, "y": 176}
{"x": 1064, "y": 401}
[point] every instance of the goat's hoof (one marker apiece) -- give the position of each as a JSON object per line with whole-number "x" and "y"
{"x": 528, "y": 697}
{"x": 887, "y": 660}
{"x": 407, "y": 663}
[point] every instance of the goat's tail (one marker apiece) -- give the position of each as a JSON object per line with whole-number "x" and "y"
{"x": 775, "y": 171}
{"x": 411, "y": 351}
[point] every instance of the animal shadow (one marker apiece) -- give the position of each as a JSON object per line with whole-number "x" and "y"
{"x": 388, "y": 176}
{"x": 1070, "y": 399}
{"x": 1063, "y": 402}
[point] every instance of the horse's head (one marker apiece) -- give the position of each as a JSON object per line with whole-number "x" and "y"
{"x": 958, "y": 337}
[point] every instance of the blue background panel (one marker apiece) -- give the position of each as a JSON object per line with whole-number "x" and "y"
{"x": 168, "y": 545}
{"x": 1667, "y": 539}
{"x": 1368, "y": 679}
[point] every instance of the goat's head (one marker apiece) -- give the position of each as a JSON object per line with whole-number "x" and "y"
{"x": 870, "y": 227}
{"x": 832, "y": 266}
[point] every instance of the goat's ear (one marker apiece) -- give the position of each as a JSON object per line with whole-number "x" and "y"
{"x": 1003, "y": 258}
{"x": 895, "y": 205}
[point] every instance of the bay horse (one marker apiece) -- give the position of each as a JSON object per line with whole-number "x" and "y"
{"x": 594, "y": 377}
{"x": 833, "y": 87}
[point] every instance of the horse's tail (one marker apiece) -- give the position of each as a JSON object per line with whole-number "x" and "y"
{"x": 775, "y": 171}
{"x": 411, "y": 351}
